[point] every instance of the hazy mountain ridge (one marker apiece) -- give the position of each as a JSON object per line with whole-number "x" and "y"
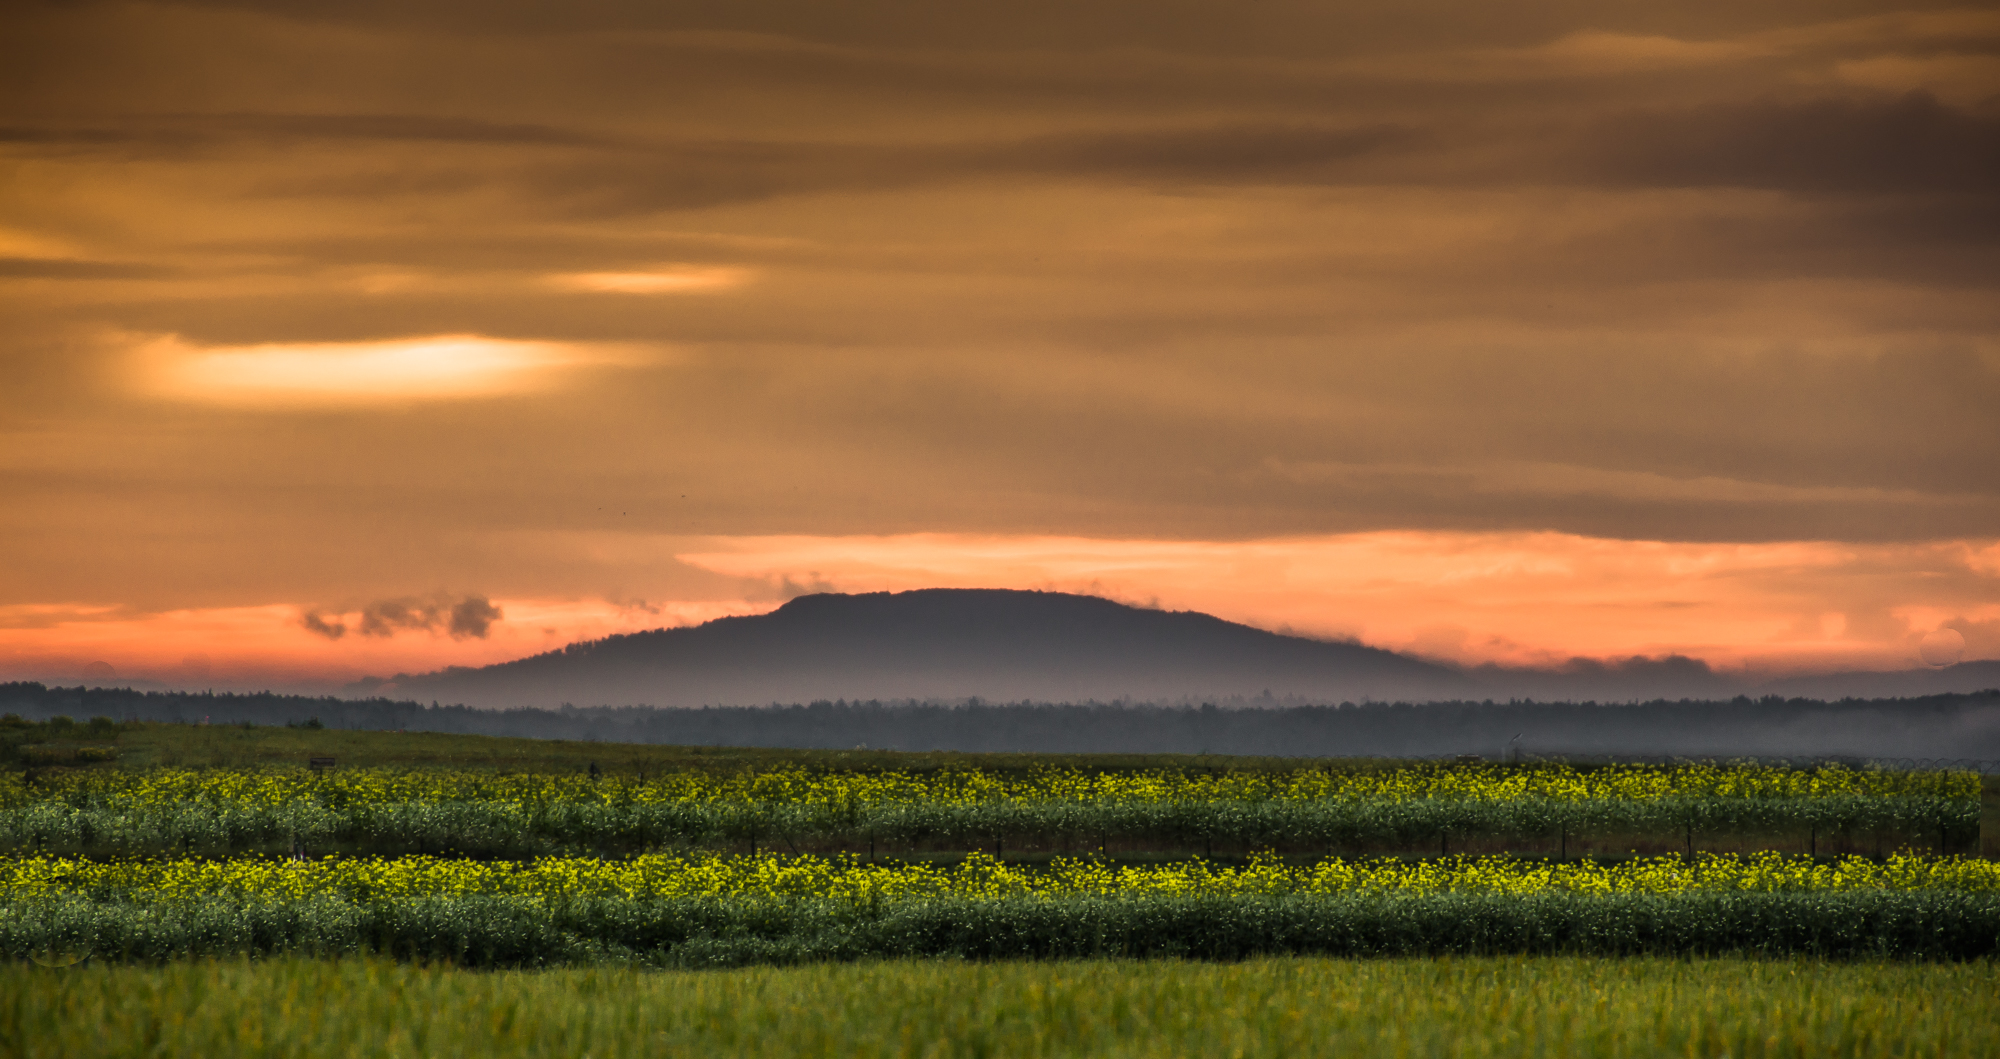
{"x": 943, "y": 644}
{"x": 1006, "y": 645}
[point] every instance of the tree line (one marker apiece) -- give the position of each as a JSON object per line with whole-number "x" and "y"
{"x": 1957, "y": 726}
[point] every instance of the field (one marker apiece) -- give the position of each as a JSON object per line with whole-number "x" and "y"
{"x": 773, "y": 860}
{"x": 502, "y": 897}
{"x": 1265, "y": 1007}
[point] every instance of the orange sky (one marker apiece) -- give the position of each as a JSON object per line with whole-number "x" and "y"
{"x": 1490, "y": 333}
{"x": 1516, "y": 598}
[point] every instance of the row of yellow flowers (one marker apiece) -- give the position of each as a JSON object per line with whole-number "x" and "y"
{"x": 846, "y": 880}
{"x": 278, "y": 786}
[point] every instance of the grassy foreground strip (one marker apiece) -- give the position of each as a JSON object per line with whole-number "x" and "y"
{"x": 1280, "y": 1007}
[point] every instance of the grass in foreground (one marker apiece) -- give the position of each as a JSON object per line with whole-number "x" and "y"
{"x": 1278, "y": 1007}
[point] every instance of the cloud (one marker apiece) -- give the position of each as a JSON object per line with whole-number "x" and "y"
{"x": 471, "y": 617}
{"x": 390, "y": 616}
{"x": 670, "y": 280}
{"x": 397, "y": 371}
{"x": 1230, "y": 153}
{"x": 266, "y": 647}
{"x": 144, "y": 135}
{"x": 1579, "y": 605}
{"x": 461, "y": 618}
{"x": 1909, "y": 145}
{"x": 1705, "y": 273}
{"x": 651, "y": 174}
{"x": 468, "y": 617}
{"x": 1963, "y": 80}
{"x": 1583, "y": 54}
{"x": 315, "y": 622}
{"x": 57, "y": 268}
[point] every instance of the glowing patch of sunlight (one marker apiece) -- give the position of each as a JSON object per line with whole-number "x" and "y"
{"x": 438, "y": 367}
{"x": 667, "y": 281}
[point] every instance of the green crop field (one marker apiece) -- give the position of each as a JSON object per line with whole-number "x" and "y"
{"x": 147, "y": 745}
{"x": 1265, "y": 1007}
{"x": 469, "y": 894}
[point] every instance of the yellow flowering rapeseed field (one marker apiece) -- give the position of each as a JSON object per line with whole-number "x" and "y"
{"x": 224, "y": 811}
{"x": 361, "y": 787}
{"x": 543, "y": 868}
{"x": 849, "y": 881}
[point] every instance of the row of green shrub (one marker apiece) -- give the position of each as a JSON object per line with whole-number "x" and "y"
{"x": 502, "y": 829}
{"x": 20, "y": 741}
{"x": 501, "y": 931}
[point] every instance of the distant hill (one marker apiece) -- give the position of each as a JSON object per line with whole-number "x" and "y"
{"x": 1904, "y": 684}
{"x": 943, "y": 644}
{"x": 1009, "y": 646}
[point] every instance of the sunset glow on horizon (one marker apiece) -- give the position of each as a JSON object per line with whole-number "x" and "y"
{"x": 383, "y": 338}
{"x": 1536, "y": 599}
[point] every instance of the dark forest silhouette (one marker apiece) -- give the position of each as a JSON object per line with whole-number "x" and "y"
{"x": 1942, "y": 726}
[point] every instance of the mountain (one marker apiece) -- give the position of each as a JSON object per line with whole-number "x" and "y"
{"x": 943, "y": 644}
{"x": 1002, "y": 645}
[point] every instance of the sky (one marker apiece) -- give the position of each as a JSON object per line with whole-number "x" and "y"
{"x": 380, "y": 336}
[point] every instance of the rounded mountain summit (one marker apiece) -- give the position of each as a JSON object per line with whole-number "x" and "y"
{"x": 943, "y": 643}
